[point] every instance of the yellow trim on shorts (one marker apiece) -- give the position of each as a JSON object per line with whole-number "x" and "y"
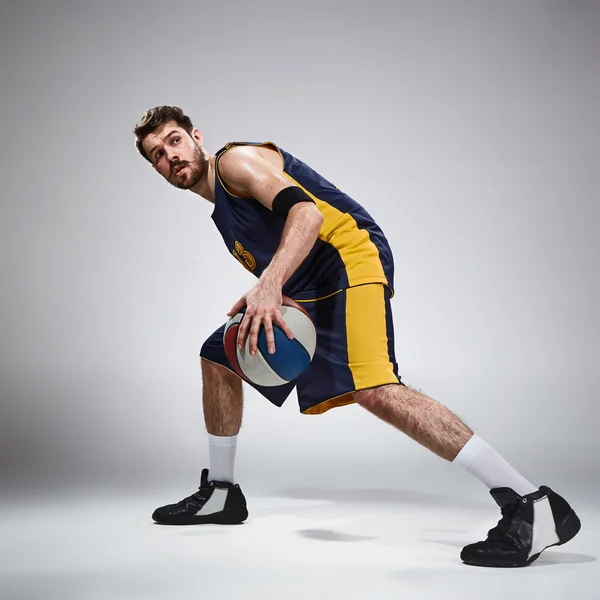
{"x": 321, "y": 298}
{"x": 343, "y": 290}
{"x": 336, "y": 402}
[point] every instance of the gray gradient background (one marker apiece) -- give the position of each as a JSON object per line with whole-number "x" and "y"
{"x": 469, "y": 130}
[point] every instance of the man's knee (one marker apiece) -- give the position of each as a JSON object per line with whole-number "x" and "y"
{"x": 213, "y": 371}
{"x": 372, "y": 396}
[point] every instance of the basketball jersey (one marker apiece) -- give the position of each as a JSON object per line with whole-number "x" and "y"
{"x": 351, "y": 249}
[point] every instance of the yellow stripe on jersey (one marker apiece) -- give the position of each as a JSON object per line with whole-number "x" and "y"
{"x": 358, "y": 252}
{"x": 366, "y": 337}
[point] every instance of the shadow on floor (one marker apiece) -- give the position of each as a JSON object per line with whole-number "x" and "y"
{"x": 334, "y": 536}
{"x": 551, "y": 557}
{"x": 383, "y": 496}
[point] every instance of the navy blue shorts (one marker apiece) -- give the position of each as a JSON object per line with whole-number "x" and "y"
{"x": 355, "y": 350}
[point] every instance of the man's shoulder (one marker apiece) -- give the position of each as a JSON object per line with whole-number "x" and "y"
{"x": 238, "y": 154}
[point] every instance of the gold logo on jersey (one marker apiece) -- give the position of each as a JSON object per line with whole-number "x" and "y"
{"x": 247, "y": 260}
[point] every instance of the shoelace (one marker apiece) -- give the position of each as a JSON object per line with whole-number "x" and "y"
{"x": 198, "y": 496}
{"x": 498, "y": 532}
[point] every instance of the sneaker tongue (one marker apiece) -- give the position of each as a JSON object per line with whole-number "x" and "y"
{"x": 504, "y": 496}
{"x": 204, "y": 477}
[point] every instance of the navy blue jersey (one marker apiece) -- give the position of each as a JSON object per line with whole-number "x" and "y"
{"x": 351, "y": 249}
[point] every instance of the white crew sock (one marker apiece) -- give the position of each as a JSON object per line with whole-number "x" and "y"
{"x": 221, "y": 450}
{"x": 490, "y": 468}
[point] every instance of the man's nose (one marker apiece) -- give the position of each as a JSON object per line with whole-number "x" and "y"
{"x": 173, "y": 155}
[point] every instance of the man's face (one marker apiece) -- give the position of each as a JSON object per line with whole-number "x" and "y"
{"x": 177, "y": 156}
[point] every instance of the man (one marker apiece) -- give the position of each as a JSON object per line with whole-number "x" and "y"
{"x": 306, "y": 239}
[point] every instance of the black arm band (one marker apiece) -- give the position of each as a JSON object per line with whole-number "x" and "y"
{"x": 286, "y": 198}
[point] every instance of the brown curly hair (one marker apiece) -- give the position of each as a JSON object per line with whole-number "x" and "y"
{"x": 154, "y": 118}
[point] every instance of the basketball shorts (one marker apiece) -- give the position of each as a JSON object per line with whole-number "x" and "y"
{"x": 355, "y": 350}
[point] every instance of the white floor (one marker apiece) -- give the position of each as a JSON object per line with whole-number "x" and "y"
{"x": 297, "y": 545}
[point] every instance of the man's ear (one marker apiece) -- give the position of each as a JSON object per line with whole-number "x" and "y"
{"x": 197, "y": 135}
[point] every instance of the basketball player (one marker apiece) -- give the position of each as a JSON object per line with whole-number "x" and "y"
{"x": 304, "y": 238}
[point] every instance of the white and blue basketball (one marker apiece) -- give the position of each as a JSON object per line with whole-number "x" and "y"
{"x": 291, "y": 357}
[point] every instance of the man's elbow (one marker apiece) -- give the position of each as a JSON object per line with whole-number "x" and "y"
{"x": 309, "y": 215}
{"x": 316, "y": 220}
{"x": 318, "y": 217}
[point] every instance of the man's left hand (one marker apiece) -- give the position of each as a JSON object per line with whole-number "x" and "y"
{"x": 263, "y": 307}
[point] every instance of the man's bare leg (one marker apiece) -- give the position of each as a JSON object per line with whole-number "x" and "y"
{"x": 523, "y": 532}
{"x": 222, "y": 401}
{"x": 423, "y": 419}
{"x": 434, "y": 426}
{"x": 219, "y": 500}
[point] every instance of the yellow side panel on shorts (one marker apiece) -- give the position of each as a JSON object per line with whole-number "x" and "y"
{"x": 368, "y": 356}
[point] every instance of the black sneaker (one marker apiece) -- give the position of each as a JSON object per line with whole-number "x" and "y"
{"x": 529, "y": 525}
{"x": 216, "y": 502}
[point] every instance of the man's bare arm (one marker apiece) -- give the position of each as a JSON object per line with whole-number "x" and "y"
{"x": 250, "y": 175}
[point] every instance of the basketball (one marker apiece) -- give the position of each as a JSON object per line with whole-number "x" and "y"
{"x": 291, "y": 357}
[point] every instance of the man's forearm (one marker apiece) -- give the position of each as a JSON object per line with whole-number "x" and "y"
{"x": 299, "y": 236}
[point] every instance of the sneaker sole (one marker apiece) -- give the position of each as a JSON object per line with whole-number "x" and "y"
{"x": 222, "y": 518}
{"x": 566, "y": 531}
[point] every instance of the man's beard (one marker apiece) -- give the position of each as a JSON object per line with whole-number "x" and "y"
{"x": 195, "y": 171}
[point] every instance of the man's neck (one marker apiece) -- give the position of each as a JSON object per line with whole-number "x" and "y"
{"x": 206, "y": 186}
